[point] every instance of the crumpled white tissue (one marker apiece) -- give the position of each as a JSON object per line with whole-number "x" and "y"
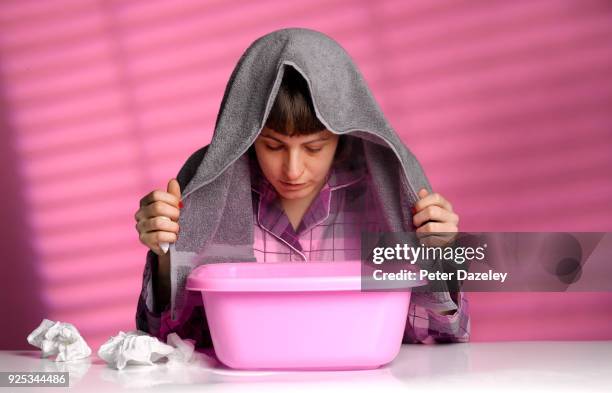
{"x": 183, "y": 350}
{"x": 138, "y": 347}
{"x": 59, "y": 338}
{"x": 134, "y": 347}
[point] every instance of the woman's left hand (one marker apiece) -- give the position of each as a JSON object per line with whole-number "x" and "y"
{"x": 433, "y": 214}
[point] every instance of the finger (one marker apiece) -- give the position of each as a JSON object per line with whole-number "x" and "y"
{"x": 432, "y": 199}
{"x": 434, "y": 213}
{"x": 153, "y": 239}
{"x": 435, "y": 240}
{"x": 174, "y": 188}
{"x": 436, "y": 227}
{"x": 159, "y": 223}
{"x": 165, "y": 246}
{"x": 157, "y": 209}
{"x": 160, "y": 195}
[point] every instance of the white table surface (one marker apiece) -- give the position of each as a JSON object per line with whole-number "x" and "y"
{"x": 539, "y": 366}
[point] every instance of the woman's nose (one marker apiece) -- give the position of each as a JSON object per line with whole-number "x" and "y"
{"x": 294, "y": 166}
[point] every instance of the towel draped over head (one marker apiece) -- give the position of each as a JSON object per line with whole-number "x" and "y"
{"x": 217, "y": 219}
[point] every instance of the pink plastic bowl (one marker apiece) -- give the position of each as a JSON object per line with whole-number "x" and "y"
{"x": 292, "y": 315}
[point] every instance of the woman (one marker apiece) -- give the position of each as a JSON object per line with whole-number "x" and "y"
{"x": 302, "y": 160}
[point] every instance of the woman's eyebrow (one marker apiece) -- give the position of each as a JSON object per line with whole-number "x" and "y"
{"x": 323, "y": 138}
{"x": 271, "y": 137}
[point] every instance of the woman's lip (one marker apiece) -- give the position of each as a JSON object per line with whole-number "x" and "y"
{"x": 292, "y": 185}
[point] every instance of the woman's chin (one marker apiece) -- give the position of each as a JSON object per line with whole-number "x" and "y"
{"x": 294, "y": 194}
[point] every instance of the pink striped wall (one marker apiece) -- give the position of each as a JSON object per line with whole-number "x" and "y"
{"x": 506, "y": 104}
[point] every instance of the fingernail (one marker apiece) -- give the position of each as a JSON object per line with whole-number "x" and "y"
{"x": 413, "y": 210}
{"x": 181, "y": 204}
{"x": 164, "y": 246}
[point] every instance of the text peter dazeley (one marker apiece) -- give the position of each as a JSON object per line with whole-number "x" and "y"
{"x": 409, "y": 275}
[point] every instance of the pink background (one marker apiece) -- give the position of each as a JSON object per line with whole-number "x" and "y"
{"x": 506, "y": 104}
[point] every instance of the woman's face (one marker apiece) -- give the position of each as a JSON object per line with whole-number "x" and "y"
{"x": 296, "y": 166}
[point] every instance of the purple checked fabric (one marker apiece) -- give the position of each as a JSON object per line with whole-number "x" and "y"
{"x": 330, "y": 230}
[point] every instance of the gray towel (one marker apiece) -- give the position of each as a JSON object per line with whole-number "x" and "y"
{"x": 217, "y": 218}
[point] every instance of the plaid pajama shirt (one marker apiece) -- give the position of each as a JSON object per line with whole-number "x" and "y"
{"x": 330, "y": 230}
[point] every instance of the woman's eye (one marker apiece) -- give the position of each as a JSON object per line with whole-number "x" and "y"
{"x": 314, "y": 149}
{"x": 274, "y": 148}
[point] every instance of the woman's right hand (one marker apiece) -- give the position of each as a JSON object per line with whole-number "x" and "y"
{"x": 157, "y": 218}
